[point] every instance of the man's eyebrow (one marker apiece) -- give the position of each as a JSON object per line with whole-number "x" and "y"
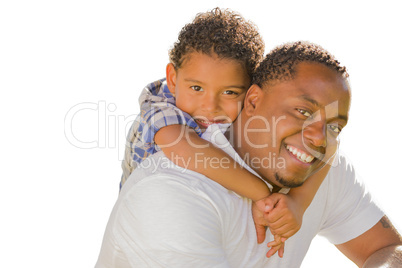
{"x": 343, "y": 117}
{"x": 307, "y": 98}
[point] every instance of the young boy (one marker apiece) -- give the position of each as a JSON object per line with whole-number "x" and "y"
{"x": 210, "y": 70}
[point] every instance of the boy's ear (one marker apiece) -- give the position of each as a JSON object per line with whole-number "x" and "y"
{"x": 171, "y": 77}
{"x": 253, "y": 99}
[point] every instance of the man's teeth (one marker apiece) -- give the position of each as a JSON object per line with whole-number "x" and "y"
{"x": 300, "y": 155}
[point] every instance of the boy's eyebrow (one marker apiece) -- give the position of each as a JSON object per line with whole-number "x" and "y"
{"x": 229, "y": 86}
{"x": 237, "y": 86}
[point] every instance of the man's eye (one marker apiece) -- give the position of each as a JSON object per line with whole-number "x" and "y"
{"x": 335, "y": 128}
{"x": 196, "y": 88}
{"x": 304, "y": 112}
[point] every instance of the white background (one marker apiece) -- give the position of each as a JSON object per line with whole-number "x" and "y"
{"x": 56, "y": 196}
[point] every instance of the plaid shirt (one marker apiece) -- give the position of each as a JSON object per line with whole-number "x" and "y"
{"x": 158, "y": 109}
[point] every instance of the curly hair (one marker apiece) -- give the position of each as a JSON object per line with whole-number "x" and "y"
{"x": 280, "y": 64}
{"x": 223, "y": 32}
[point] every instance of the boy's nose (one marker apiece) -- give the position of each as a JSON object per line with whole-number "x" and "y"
{"x": 210, "y": 103}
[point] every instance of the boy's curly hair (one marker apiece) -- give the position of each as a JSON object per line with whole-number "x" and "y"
{"x": 280, "y": 64}
{"x": 223, "y": 32}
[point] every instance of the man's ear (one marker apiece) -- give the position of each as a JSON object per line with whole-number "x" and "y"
{"x": 253, "y": 99}
{"x": 171, "y": 77}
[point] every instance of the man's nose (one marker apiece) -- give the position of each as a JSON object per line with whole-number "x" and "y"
{"x": 316, "y": 133}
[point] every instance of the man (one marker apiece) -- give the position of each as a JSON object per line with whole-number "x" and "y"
{"x": 167, "y": 216}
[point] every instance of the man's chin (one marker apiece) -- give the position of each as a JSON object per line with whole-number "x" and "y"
{"x": 287, "y": 183}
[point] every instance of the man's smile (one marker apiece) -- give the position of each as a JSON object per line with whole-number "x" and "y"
{"x": 300, "y": 155}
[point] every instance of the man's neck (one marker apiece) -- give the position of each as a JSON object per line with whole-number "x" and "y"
{"x": 275, "y": 188}
{"x": 233, "y": 136}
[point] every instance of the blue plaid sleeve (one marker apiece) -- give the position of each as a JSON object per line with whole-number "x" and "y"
{"x": 158, "y": 109}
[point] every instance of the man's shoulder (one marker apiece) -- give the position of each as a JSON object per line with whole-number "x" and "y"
{"x": 341, "y": 183}
{"x": 159, "y": 184}
{"x": 342, "y": 169}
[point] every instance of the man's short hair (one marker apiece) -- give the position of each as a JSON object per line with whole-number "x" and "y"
{"x": 280, "y": 64}
{"x": 223, "y": 32}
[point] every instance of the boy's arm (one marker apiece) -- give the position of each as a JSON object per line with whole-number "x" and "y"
{"x": 186, "y": 149}
{"x": 153, "y": 94}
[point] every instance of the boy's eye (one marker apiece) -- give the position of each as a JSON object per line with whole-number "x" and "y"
{"x": 230, "y": 92}
{"x": 196, "y": 88}
{"x": 305, "y": 113}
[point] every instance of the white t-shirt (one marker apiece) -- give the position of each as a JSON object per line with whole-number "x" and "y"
{"x": 167, "y": 216}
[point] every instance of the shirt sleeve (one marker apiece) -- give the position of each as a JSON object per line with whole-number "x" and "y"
{"x": 351, "y": 209}
{"x": 158, "y": 109}
{"x": 164, "y": 221}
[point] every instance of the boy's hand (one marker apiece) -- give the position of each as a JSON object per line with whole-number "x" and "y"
{"x": 260, "y": 209}
{"x": 260, "y": 222}
{"x": 286, "y": 216}
{"x": 282, "y": 214}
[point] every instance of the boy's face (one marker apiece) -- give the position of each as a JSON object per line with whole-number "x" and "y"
{"x": 293, "y": 126}
{"x": 208, "y": 88}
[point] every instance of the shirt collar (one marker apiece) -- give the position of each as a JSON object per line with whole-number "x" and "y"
{"x": 215, "y": 134}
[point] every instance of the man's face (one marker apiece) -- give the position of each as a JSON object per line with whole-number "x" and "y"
{"x": 290, "y": 129}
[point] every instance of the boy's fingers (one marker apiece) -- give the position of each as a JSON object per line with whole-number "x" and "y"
{"x": 285, "y": 230}
{"x": 269, "y": 205}
{"x": 271, "y": 201}
{"x": 276, "y": 246}
{"x": 276, "y": 225}
{"x": 281, "y": 250}
{"x": 260, "y": 204}
{"x": 273, "y": 244}
{"x": 261, "y": 230}
{"x": 289, "y": 233}
{"x": 281, "y": 230}
{"x": 272, "y": 251}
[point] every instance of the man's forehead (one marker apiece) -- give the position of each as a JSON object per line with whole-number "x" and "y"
{"x": 312, "y": 68}
{"x": 314, "y": 83}
{"x": 318, "y": 86}
{"x": 316, "y": 78}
